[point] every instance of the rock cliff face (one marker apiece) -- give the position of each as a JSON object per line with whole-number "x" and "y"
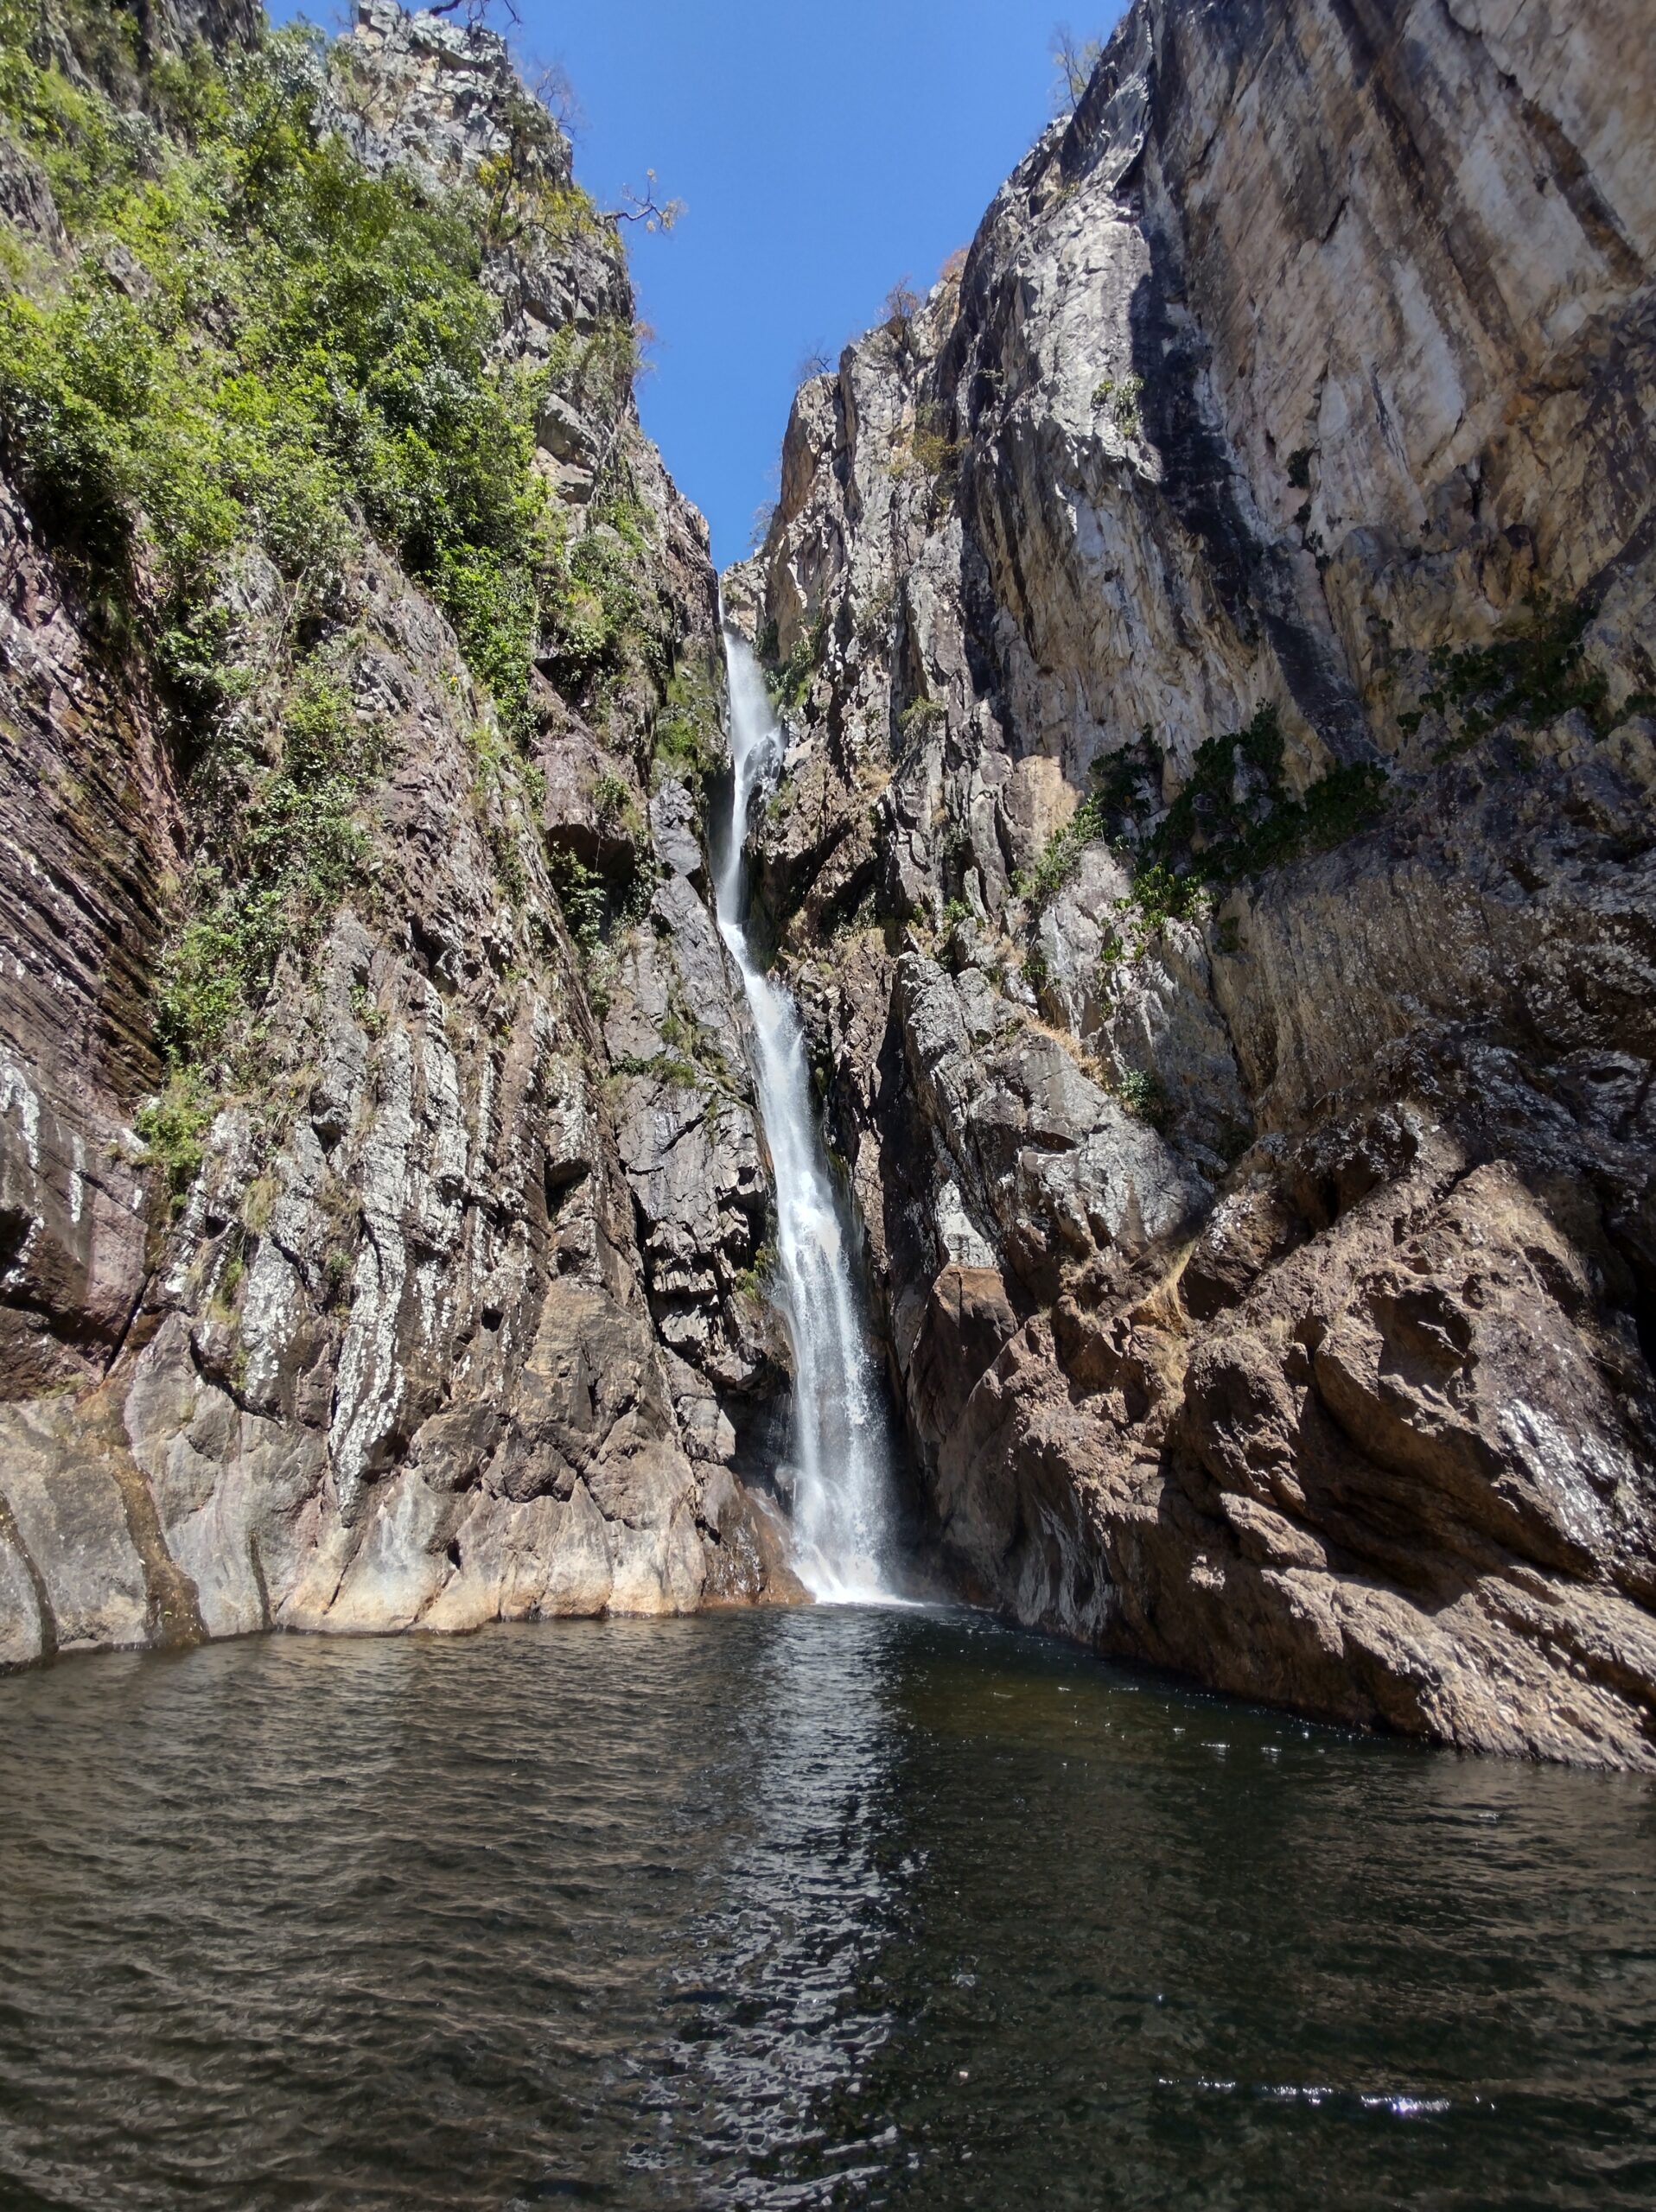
{"x": 378, "y": 1256}
{"x": 1216, "y": 860}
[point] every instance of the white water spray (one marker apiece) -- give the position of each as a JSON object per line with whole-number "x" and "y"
{"x": 842, "y": 1459}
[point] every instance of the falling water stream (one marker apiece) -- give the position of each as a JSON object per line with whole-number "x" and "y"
{"x": 795, "y": 1910}
{"x": 841, "y": 1454}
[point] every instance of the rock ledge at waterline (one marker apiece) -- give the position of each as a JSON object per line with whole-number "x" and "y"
{"x": 450, "y": 1315}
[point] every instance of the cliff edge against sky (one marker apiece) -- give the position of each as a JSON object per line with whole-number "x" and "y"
{"x": 1216, "y": 855}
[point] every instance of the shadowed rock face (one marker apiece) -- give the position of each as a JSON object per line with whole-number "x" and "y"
{"x": 1269, "y": 1276}
{"x": 452, "y": 1325}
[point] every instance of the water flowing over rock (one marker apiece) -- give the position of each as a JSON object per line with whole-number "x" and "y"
{"x": 1210, "y": 856}
{"x": 841, "y": 1481}
{"x": 1215, "y": 863}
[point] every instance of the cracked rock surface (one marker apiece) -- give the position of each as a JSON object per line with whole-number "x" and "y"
{"x": 1213, "y": 859}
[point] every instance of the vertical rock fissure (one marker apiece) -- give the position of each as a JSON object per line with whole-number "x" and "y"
{"x": 12, "y": 1536}
{"x": 1244, "y": 1048}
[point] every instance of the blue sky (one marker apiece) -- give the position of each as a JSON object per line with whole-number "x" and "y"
{"x": 825, "y": 147}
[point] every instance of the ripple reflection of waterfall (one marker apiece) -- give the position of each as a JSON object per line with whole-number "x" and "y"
{"x": 841, "y": 1453}
{"x": 790, "y": 2012}
{"x": 787, "y": 1911}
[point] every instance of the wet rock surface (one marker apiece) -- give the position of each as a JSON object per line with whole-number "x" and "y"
{"x": 1256, "y": 1186}
{"x": 1213, "y": 862}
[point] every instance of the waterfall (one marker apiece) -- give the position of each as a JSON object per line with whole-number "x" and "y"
{"x": 840, "y": 1450}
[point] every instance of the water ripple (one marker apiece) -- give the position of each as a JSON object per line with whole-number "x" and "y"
{"x": 815, "y": 1910}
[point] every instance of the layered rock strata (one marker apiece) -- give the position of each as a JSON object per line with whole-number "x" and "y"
{"x": 1216, "y": 860}
{"x": 449, "y": 1316}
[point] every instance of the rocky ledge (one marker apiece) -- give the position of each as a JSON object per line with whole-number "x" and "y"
{"x": 1215, "y": 859}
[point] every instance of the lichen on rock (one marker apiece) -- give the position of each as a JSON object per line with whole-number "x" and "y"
{"x": 1213, "y": 862}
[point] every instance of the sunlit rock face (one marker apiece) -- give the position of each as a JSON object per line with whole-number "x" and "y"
{"x": 456, "y": 1319}
{"x": 1216, "y": 861}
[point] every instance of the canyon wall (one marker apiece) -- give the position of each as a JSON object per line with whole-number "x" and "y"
{"x": 379, "y": 1190}
{"x": 1215, "y": 860}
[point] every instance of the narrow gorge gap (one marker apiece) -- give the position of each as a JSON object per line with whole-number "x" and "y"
{"x": 1082, "y": 1019}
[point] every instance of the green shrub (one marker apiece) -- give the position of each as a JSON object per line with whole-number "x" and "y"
{"x": 599, "y": 624}
{"x": 174, "y": 1127}
{"x": 595, "y": 371}
{"x": 610, "y": 797}
{"x": 257, "y": 345}
{"x": 1122, "y": 789}
{"x": 920, "y": 717}
{"x": 1144, "y": 1097}
{"x": 521, "y": 188}
{"x": 687, "y": 743}
{"x": 936, "y": 453}
{"x": 491, "y": 601}
{"x": 1119, "y": 398}
{"x": 1234, "y": 817}
{"x": 295, "y": 850}
{"x": 1160, "y": 894}
{"x": 612, "y": 805}
{"x": 755, "y": 1281}
{"x": 791, "y": 685}
{"x": 585, "y": 898}
{"x": 1534, "y": 677}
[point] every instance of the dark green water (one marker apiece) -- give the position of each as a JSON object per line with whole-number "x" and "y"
{"x": 795, "y": 1910}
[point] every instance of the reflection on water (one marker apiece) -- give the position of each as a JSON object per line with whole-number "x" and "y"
{"x": 782, "y": 1993}
{"x": 794, "y": 1909}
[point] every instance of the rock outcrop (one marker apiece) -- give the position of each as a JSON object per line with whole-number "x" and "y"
{"x": 1216, "y": 860}
{"x": 419, "y": 1294}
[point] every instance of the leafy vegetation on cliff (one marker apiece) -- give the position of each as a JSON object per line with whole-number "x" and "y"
{"x": 1537, "y": 675}
{"x": 1234, "y": 817}
{"x": 688, "y": 742}
{"x": 260, "y": 346}
{"x": 257, "y": 358}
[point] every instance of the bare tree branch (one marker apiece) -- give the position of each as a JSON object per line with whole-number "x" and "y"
{"x": 644, "y": 207}
{"x": 1075, "y": 59}
{"x": 551, "y": 86}
{"x": 475, "y": 14}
